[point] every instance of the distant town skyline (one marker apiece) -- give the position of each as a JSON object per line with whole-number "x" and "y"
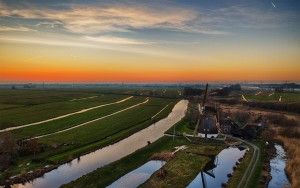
{"x": 149, "y": 41}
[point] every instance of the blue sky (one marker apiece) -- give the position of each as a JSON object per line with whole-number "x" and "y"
{"x": 222, "y": 33}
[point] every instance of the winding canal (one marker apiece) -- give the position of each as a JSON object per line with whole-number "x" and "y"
{"x": 90, "y": 162}
{"x": 278, "y": 163}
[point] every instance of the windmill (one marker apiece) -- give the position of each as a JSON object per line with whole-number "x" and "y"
{"x": 207, "y": 123}
{"x": 208, "y": 118}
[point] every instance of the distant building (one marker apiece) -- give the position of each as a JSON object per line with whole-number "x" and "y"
{"x": 225, "y": 91}
{"x": 249, "y": 130}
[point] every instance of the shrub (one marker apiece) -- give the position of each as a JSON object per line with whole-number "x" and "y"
{"x": 8, "y": 150}
{"x": 292, "y": 132}
{"x": 242, "y": 117}
{"x": 290, "y": 107}
{"x": 281, "y": 120}
{"x": 30, "y": 147}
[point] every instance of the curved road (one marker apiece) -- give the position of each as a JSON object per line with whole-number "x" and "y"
{"x": 63, "y": 116}
{"x": 244, "y": 182}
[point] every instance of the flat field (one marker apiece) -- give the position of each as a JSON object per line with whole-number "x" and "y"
{"x": 68, "y": 137}
{"x": 286, "y": 97}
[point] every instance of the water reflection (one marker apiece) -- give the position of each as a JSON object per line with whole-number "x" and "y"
{"x": 138, "y": 176}
{"x": 279, "y": 178}
{"x": 216, "y": 173}
{"x": 90, "y": 162}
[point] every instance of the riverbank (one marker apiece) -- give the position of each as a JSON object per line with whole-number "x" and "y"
{"x": 69, "y": 155}
{"x": 102, "y": 176}
{"x": 283, "y": 129}
{"x": 286, "y": 132}
{"x": 180, "y": 170}
{"x": 278, "y": 164}
{"x": 292, "y": 147}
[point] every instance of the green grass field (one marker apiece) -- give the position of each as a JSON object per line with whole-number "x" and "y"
{"x": 61, "y": 147}
{"x": 38, "y": 112}
{"x": 70, "y": 121}
{"x": 180, "y": 128}
{"x": 110, "y": 126}
{"x": 19, "y": 107}
{"x": 274, "y": 97}
{"x": 28, "y": 97}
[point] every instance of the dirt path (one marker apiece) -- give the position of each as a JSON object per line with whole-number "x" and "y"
{"x": 160, "y": 111}
{"x": 79, "y": 99}
{"x": 82, "y": 124}
{"x": 63, "y": 116}
{"x": 244, "y": 99}
{"x": 251, "y": 167}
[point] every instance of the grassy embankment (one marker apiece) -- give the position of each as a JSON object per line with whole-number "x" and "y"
{"x": 65, "y": 146}
{"x": 180, "y": 128}
{"x": 183, "y": 167}
{"x": 185, "y": 127}
{"x": 287, "y": 131}
{"x": 241, "y": 168}
{"x": 292, "y": 145}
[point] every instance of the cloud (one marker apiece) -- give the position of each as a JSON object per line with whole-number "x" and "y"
{"x": 115, "y": 40}
{"x": 19, "y": 29}
{"x": 96, "y": 19}
{"x": 44, "y": 41}
{"x": 243, "y": 17}
{"x": 80, "y": 43}
{"x": 51, "y": 24}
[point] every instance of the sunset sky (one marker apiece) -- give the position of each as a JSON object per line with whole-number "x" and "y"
{"x": 149, "y": 41}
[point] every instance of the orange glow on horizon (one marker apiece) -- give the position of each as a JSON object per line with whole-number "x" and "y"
{"x": 44, "y": 75}
{"x": 156, "y": 42}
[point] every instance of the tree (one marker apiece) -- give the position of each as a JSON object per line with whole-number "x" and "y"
{"x": 33, "y": 146}
{"x": 8, "y": 150}
{"x": 30, "y": 147}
